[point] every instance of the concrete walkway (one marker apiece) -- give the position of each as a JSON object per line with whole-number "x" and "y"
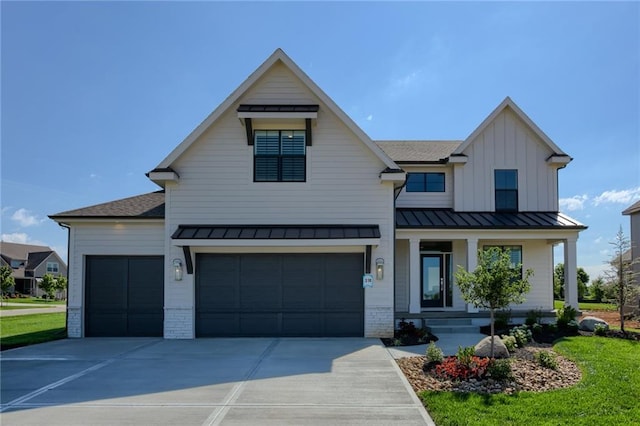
{"x": 449, "y": 344}
{"x": 32, "y": 309}
{"x": 149, "y": 381}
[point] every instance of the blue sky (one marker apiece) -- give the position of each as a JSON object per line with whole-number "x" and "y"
{"x": 93, "y": 95}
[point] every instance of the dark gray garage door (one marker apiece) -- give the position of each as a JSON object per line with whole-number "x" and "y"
{"x": 124, "y": 296}
{"x": 279, "y": 295}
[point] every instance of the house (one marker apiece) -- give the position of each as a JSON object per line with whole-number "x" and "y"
{"x": 279, "y": 216}
{"x": 633, "y": 253}
{"x": 29, "y": 264}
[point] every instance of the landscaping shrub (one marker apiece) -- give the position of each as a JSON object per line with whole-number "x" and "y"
{"x": 451, "y": 368}
{"x": 600, "y": 330}
{"x": 500, "y": 370}
{"x": 502, "y": 319}
{"x": 522, "y": 334}
{"x": 465, "y": 355}
{"x": 510, "y": 343}
{"x": 434, "y": 354}
{"x": 534, "y": 316}
{"x": 547, "y": 360}
{"x": 565, "y": 315}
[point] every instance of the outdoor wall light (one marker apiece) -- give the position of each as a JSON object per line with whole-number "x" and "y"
{"x": 379, "y": 268}
{"x": 177, "y": 269}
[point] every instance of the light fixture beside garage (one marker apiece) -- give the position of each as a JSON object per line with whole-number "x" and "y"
{"x": 177, "y": 269}
{"x": 379, "y": 268}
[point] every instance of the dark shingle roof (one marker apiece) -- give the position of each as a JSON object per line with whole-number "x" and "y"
{"x": 418, "y": 151}
{"x": 635, "y": 207}
{"x": 145, "y": 206}
{"x": 446, "y": 218}
{"x": 275, "y": 232}
{"x": 36, "y": 259}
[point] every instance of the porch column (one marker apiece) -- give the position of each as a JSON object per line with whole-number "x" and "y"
{"x": 472, "y": 263}
{"x": 414, "y": 276}
{"x": 570, "y": 273}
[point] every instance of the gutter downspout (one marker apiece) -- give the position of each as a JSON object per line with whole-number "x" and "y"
{"x": 66, "y": 320}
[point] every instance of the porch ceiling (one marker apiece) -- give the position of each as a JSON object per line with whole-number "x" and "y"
{"x": 412, "y": 218}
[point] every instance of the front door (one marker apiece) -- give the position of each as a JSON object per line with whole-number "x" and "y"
{"x": 432, "y": 281}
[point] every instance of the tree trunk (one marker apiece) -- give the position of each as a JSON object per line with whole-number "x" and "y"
{"x": 492, "y": 330}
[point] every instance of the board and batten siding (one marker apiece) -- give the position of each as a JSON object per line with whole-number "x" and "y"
{"x": 342, "y": 187}
{"x": 428, "y": 199}
{"x": 118, "y": 239}
{"x": 506, "y": 143}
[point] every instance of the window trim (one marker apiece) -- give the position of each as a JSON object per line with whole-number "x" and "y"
{"x": 426, "y": 180}
{"x": 501, "y": 191}
{"x": 279, "y": 157}
{"x": 53, "y": 267}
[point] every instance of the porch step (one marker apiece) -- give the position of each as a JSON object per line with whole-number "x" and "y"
{"x": 451, "y": 325}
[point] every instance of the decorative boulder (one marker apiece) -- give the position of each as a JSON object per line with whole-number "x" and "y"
{"x": 589, "y": 323}
{"x": 483, "y": 348}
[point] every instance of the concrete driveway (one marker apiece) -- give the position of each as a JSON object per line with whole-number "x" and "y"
{"x": 146, "y": 381}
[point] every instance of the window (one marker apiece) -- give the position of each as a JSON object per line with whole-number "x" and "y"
{"x": 279, "y": 156}
{"x": 506, "y": 184}
{"x": 515, "y": 252}
{"x": 425, "y": 182}
{"x": 52, "y": 266}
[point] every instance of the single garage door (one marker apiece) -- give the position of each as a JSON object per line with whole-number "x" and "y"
{"x": 279, "y": 295}
{"x": 124, "y": 296}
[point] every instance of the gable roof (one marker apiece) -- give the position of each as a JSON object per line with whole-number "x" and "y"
{"x": 277, "y": 56}
{"x": 508, "y": 103}
{"x": 634, "y": 208}
{"x": 19, "y": 251}
{"x": 416, "y": 152}
{"x": 36, "y": 258}
{"x": 145, "y": 206}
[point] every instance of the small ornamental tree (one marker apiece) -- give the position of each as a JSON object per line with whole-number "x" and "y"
{"x": 61, "y": 283}
{"x": 494, "y": 284}
{"x": 621, "y": 275}
{"x": 6, "y": 281}
{"x": 48, "y": 284}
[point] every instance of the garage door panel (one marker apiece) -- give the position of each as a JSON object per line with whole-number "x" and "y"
{"x": 289, "y": 294}
{"x": 124, "y": 296}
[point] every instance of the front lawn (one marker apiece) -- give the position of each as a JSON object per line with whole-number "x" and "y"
{"x": 33, "y": 300}
{"x": 23, "y": 330}
{"x": 587, "y": 306}
{"x": 10, "y": 307}
{"x": 607, "y": 395}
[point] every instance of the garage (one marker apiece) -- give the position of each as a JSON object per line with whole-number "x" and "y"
{"x": 124, "y": 296}
{"x": 292, "y": 294}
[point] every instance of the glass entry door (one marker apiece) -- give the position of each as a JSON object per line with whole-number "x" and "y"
{"x": 433, "y": 278}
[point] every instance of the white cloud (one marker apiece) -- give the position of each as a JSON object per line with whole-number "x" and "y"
{"x": 25, "y": 218}
{"x": 93, "y": 175}
{"x": 625, "y": 196}
{"x": 369, "y": 117}
{"x": 16, "y": 237}
{"x": 573, "y": 203}
{"x": 598, "y": 240}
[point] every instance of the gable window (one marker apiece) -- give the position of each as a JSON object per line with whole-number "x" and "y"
{"x": 279, "y": 156}
{"x": 52, "y": 267}
{"x": 506, "y": 185}
{"x": 425, "y": 182}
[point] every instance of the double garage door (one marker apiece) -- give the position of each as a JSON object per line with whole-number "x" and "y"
{"x": 124, "y": 296}
{"x": 279, "y": 295}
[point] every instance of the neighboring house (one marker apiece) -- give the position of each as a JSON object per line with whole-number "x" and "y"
{"x": 275, "y": 207}
{"x": 633, "y": 253}
{"x": 29, "y": 264}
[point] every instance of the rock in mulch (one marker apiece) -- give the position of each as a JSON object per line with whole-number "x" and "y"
{"x": 589, "y": 323}
{"x": 483, "y": 348}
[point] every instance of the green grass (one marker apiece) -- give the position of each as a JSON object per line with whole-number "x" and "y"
{"x": 607, "y": 395}
{"x": 7, "y": 308}
{"x": 588, "y": 306}
{"x": 35, "y": 300}
{"x": 23, "y": 330}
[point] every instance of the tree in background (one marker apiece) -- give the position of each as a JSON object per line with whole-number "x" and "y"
{"x": 61, "y": 283}
{"x": 621, "y": 276}
{"x": 494, "y": 284}
{"x": 49, "y": 285}
{"x": 6, "y": 281}
{"x": 558, "y": 282}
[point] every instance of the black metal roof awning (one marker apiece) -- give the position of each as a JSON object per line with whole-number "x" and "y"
{"x": 275, "y": 232}
{"x": 448, "y": 219}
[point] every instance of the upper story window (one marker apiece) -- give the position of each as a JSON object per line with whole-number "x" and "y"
{"x": 425, "y": 182}
{"x": 16, "y": 263}
{"x": 506, "y": 184}
{"x": 279, "y": 156}
{"x": 52, "y": 267}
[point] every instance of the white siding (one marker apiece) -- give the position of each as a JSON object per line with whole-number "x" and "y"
{"x": 130, "y": 238}
{"x": 507, "y": 143}
{"x": 342, "y": 187}
{"x": 428, "y": 199}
